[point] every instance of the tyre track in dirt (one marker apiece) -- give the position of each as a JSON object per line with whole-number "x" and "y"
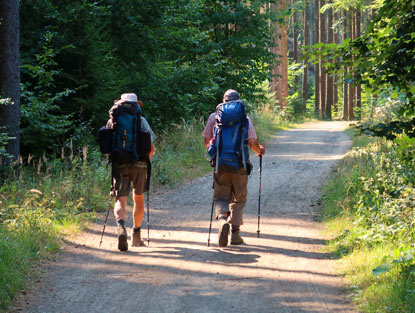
{"x": 284, "y": 270}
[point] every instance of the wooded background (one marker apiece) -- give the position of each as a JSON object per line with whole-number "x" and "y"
{"x": 69, "y": 60}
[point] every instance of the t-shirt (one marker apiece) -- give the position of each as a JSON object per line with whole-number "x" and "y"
{"x": 208, "y": 131}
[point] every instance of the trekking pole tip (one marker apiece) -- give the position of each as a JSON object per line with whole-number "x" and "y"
{"x": 257, "y": 233}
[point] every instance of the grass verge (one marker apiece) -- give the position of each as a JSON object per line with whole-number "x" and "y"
{"x": 48, "y": 200}
{"x": 369, "y": 210}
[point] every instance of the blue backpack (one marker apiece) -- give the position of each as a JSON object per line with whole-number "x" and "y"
{"x": 126, "y": 123}
{"x": 229, "y": 149}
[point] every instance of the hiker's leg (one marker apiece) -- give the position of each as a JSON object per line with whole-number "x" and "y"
{"x": 138, "y": 210}
{"x": 222, "y": 193}
{"x": 120, "y": 208}
{"x": 139, "y": 178}
{"x": 122, "y": 189}
{"x": 239, "y": 193}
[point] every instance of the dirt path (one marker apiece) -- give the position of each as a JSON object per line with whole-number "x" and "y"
{"x": 285, "y": 270}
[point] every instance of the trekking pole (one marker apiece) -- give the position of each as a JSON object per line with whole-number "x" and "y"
{"x": 211, "y": 216}
{"x": 259, "y": 193}
{"x": 148, "y": 199}
{"x": 148, "y": 217}
{"x": 109, "y": 206}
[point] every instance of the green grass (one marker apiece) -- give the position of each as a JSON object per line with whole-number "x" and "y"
{"x": 365, "y": 213}
{"x": 50, "y": 199}
{"x": 180, "y": 154}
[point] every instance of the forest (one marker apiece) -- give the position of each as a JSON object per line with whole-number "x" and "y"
{"x": 63, "y": 63}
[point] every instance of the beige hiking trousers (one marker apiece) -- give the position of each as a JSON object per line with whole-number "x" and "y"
{"x": 230, "y": 191}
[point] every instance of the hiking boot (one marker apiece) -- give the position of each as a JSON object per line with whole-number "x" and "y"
{"x": 136, "y": 240}
{"x": 236, "y": 238}
{"x": 223, "y": 233}
{"x": 122, "y": 239}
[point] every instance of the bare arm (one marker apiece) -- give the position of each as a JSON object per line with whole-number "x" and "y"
{"x": 256, "y": 147}
{"x": 206, "y": 141}
{"x": 150, "y": 155}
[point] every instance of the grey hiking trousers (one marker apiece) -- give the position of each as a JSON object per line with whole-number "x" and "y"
{"x": 229, "y": 195}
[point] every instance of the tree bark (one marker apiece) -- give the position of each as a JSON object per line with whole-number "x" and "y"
{"x": 330, "y": 83}
{"x": 295, "y": 42}
{"x": 345, "y": 68}
{"x": 306, "y": 43}
{"x": 337, "y": 40}
{"x": 316, "y": 66}
{"x": 10, "y": 74}
{"x": 280, "y": 69}
{"x": 322, "y": 69}
{"x": 358, "y": 86}
{"x": 350, "y": 108}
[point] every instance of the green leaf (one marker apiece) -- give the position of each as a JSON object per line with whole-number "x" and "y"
{"x": 382, "y": 269}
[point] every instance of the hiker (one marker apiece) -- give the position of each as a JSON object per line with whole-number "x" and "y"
{"x": 134, "y": 169}
{"x": 230, "y": 182}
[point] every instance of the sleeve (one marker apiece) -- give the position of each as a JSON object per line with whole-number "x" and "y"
{"x": 146, "y": 126}
{"x": 208, "y": 131}
{"x": 251, "y": 130}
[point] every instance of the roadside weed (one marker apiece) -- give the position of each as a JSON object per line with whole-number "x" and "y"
{"x": 370, "y": 210}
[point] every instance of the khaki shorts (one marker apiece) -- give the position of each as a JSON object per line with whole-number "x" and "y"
{"x": 125, "y": 174}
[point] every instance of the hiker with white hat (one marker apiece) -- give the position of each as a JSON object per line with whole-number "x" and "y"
{"x": 131, "y": 161}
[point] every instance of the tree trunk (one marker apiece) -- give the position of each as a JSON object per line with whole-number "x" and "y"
{"x": 350, "y": 109}
{"x": 10, "y": 75}
{"x": 330, "y": 83}
{"x": 337, "y": 40}
{"x": 358, "y": 86}
{"x": 295, "y": 42}
{"x": 316, "y": 66}
{"x": 345, "y": 68}
{"x": 306, "y": 43}
{"x": 280, "y": 76}
{"x": 322, "y": 69}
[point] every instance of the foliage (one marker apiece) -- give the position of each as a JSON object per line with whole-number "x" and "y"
{"x": 4, "y": 137}
{"x": 295, "y": 101}
{"x": 43, "y": 126}
{"x": 178, "y": 56}
{"x": 382, "y": 56}
{"x": 374, "y": 193}
{"x": 389, "y": 130}
{"x": 180, "y": 153}
{"x": 50, "y": 197}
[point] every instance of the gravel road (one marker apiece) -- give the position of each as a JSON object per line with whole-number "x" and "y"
{"x": 284, "y": 270}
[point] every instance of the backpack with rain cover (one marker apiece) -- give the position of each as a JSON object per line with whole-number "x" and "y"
{"x": 229, "y": 149}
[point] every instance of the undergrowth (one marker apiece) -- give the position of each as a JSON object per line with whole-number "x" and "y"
{"x": 49, "y": 198}
{"x": 370, "y": 210}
